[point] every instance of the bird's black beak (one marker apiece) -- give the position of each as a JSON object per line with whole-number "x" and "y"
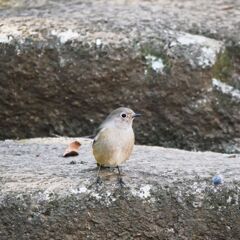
{"x": 136, "y": 115}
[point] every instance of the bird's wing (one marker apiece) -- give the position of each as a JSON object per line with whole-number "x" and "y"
{"x": 100, "y": 130}
{"x": 105, "y": 124}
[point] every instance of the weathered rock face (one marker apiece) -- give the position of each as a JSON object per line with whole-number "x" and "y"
{"x": 65, "y": 66}
{"x": 168, "y": 194}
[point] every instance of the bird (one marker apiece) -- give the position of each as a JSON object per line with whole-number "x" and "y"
{"x": 114, "y": 141}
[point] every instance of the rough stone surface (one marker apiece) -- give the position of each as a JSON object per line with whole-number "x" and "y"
{"x": 168, "y": 194}
{"x": 64, "y": 66}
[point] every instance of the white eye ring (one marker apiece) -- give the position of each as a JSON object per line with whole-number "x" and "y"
{"x": 123, "y": 115}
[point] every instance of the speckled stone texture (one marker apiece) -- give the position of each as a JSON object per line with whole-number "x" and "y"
{"x": 64, "y": 65}
{"x": 168, "y": 194}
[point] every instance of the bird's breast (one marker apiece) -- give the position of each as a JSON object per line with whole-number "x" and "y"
{"x": 113, "y": 146}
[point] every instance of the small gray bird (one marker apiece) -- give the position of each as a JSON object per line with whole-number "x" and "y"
{"x": 114, "y": 141}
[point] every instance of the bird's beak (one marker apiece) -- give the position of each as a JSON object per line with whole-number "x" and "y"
{"x": 136, "y": 115}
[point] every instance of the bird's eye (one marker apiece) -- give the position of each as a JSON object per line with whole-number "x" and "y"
{"x": 123, "y": 115}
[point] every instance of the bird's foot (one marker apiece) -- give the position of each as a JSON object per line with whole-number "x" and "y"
{"x": 96, "y": 184}
{"x": 121, "y": 182}
{"x": 99, "y": 181}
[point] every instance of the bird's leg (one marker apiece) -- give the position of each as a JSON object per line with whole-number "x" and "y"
{"x": 98, "y": 181}
{"x": 120, "y": 180}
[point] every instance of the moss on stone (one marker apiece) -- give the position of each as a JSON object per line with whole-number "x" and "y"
{"x": 158, "y": 52}
{"x": 223, "y": 67}
{"x": 234, "y": 51}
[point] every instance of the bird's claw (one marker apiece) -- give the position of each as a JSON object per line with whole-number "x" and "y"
{"x": 121, "y": 182}
{"x": 98, "y": 181}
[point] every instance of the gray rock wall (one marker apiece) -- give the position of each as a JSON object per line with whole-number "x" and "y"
{"x": 64, "y": 66}
{"x": 168, "y": 194}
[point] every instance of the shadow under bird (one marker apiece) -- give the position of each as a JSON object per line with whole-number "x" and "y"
{"x": 115, "y": 139}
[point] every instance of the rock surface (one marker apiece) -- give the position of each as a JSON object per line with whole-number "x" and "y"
{"x": 64, "y": 66}
{"x": 168, "y": 194}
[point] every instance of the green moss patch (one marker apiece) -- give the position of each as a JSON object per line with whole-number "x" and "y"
{"x": 223, "y": 67}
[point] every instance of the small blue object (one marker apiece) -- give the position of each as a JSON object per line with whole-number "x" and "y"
{"x": 217, "y": 179}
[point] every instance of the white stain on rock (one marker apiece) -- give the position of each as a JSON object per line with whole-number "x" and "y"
{"x": 83, "y": 190}
{"x": 4, "y": 38}
{"x": 198, "y": 191}
{"x": 229, "y": 200}
{"x": 66, "y": 35}
{"x": 200, "y": 103}
{"x": 105, "y": 198}
{"x": 143, "y": 192}
{"x": 188, "y": 39}
{"x": 226, "y": 89}
{"x": 97, "y": 196}
{"x": 8, "y": 33}
{"x": 98, "y": 42}
{"x": 62, "y": 61}
{"x": 207, "y": 57}
{"x": 45, "y": 196}
{"x": 202, "y": 51}
{"x": 80, "y": 190}
{"x": 156, "y": 63}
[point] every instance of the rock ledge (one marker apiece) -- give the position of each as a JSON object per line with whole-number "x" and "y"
{"x": 168, "y": 194}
